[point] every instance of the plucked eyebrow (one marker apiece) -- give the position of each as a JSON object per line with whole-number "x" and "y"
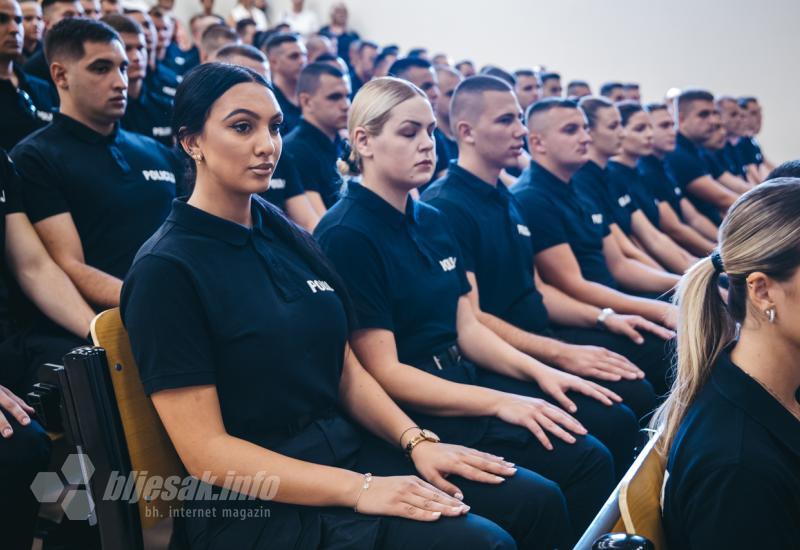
{"x": 240, "y": 112}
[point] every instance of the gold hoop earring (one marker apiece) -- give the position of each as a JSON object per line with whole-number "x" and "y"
{"x": 771, "y": 315}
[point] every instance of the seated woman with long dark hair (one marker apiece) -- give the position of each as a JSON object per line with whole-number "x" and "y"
{"x": 731, "y": 425}
{"x": 416, "y": 331}
{"x": 239, "y": 327}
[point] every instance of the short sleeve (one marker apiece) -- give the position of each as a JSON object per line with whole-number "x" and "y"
{"x": 294, "y": 186}
{"x": 359, "y": 264}
{"x": 9, "y": 187}
{"x": 732, "y": 507}
{"x": 547, "y": 227}
{"x": 168, "y": 327}
{"x": 40, "y": 184}
{"x": 464, "y": 229}
{"x": 685, "y": 168}
{"x": 306, "y": 170}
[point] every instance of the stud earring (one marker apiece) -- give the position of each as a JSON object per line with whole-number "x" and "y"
{"x": 770, "y": 314}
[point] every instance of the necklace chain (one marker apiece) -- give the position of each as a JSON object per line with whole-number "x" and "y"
{"x": 793, "y": 410}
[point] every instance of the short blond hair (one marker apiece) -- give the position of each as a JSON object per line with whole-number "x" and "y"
{"x": 373, "y": 104}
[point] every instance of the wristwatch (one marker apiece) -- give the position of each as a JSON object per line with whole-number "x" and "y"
{"x": 604, "y": 314}
{"x": 423, "y": 435}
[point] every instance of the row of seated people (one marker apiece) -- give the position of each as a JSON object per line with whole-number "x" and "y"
{"x": 454, "y": 306}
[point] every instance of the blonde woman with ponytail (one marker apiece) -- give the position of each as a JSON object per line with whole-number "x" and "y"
{"x": 731, "y": 425}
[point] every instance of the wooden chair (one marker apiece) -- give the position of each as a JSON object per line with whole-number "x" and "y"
{"x": 635, "y": 505}
{"x": 113, "y": 422}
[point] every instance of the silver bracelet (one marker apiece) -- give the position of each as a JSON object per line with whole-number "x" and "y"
{"x": 364, "y": 487}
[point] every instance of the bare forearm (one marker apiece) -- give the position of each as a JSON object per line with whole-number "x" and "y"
{"x": 639, "y": 277}
{"x": 55, "y": 295}
{"x": 667, "y": 253}
{"x": 97, "y": 287}
{"x": 540, "y": 347}
{"x": 369, "y": 404}
{"x": 485, "y": 348}
{"x": 602, "y": 296}
{"x": 563, "y": 309}
{"x": 296, "y": 481}
{"x": 689, "y": 238}
{"x": 735, "y": 184}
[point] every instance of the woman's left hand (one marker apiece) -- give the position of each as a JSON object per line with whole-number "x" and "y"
{"x": 436, "y": 461}
{"x": 556, "y": 384}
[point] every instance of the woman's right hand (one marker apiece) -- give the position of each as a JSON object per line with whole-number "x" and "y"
{"x": 538, "y": 415}
{"x": 408, "y": 497}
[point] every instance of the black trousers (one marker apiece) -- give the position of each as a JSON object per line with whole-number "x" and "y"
{"x": 654, "y": 357}
{"x": 22, "y": 456}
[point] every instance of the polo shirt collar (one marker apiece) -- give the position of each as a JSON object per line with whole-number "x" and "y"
{"x": 83, "y": 132}
{"x": 744, "y": 392}
{"x": 685, "y": 143}
{"x": 214, "y": 227}
{"x": 317, "y": 137}
{"x": 386, "y": 211}
{"x": 541, "y": 176}
{"x": 473, "y": 183}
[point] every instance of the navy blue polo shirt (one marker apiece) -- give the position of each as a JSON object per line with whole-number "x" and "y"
{"x": 734, "y": 468}
{"x": 631, "y": 192}
{"x": 606, "y": 194}
{"x": 715, "y": 165}
{"x": 38, "y": 67}
{"x": 556, "y": 214}
{"x": 25, "y": 108}
{"x": 162, "y": 83}
{"x": 209, "y": 301}
{"x": 661, "y": 185}
{"x": 179, "y": 61}
{"x": 118, "y": 188}
{"x": 684, "y": 165}
{"x": 291, "y": 112}
{"x": 729, "y": 157}
{"x": 749, "y": 151}
{"x": 315, "y": 156}
{"x": 9, "y": 204}
{"x": 403, "y": 270}
{"x": 284, "y": 184}
{"x": 446, "y": 150}
{"x": 150, "y": 114}
{"x": 495, "y": 243}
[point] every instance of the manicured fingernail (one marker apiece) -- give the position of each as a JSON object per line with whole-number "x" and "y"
{"x": 436, "y": 514}
{"x": 510, "y": 464}
{"x": 498, "y": 478}
{"x": 573, "y": 408}
{"x": 7, "y": 432}
{"x": 640, "y": 341}
{"x": 25, "y": 421}
{"x": 465, "y": 508}
{"x": 459, "y": 496}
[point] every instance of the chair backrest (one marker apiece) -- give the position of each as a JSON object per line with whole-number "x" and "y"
{"x": 149, "y": 447}
{"x": 640, "y": 495}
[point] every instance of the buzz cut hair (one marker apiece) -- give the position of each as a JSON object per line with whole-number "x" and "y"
{"x": 470, "y": 89}
{"x": 308, "y": 82}
{"x": 542, "y": 106}
{"x": 66, "y": 39}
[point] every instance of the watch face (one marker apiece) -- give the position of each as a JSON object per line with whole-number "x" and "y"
{"x": 430, "y": 435}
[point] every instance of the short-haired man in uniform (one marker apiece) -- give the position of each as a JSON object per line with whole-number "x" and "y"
{"x": 214, "y": 39}
{"x": 315, "y": 145}
{"x": 632, "y": 92}
{"x": 528, "y": 87}
{"x": 575, "y": 252}
{"x": 496, "y": 244}
{"x": 577, "y": 89}
{"x": 695, "y": 125}
{"x": 287, "y": 57}
{"x": 446, "y": 145}
{"x": 756, "y": 165}
{"x": 363, "y": 66}
{"x": 53, "y": 11}
{"x": 25, "y": 101}
{"x": 94, "y": 192}
{"x": 33, "y": 24}
{"x": 551, "y": 84}
{"x": 147, "y": 113}
{"x": 614, "y": 91}
{"x": 676, "y": 215}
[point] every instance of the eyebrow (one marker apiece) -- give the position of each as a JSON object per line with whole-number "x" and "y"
{"x": 239, "y": 112}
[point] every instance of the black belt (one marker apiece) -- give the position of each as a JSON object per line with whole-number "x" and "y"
{"x": 447, "y": 358}
{"x": 302, "y": 422}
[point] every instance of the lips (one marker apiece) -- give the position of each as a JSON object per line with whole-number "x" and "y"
{"x": 263, "y": 169}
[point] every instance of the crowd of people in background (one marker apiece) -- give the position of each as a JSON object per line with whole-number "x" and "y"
{"x": 508, "y": 242}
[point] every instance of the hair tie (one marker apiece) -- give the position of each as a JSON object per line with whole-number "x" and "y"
{"x": 716, "y": 261}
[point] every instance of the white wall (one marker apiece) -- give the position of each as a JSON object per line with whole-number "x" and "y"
{"x": 734, "y": 47}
